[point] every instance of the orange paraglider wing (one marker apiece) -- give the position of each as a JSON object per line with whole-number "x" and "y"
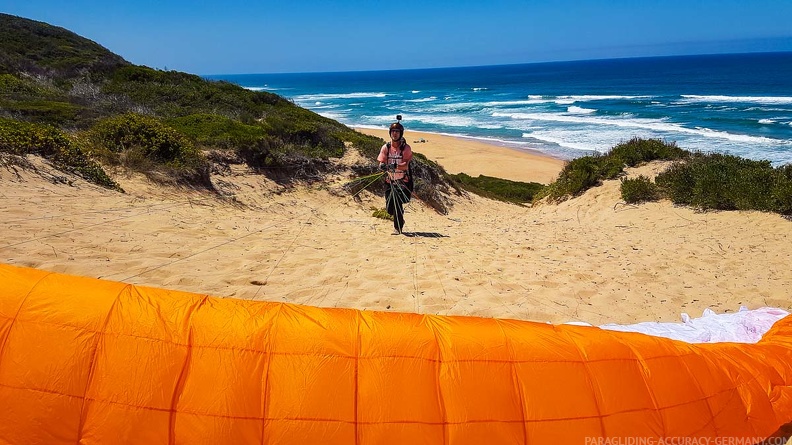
{"x": 90, "y": 361}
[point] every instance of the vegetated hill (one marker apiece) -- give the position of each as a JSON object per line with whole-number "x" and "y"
{"x": 40, "y": 49}
{"x": 163, "y": 123}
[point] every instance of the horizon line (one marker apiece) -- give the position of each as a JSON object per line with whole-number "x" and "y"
{"x": 547, "y": 62}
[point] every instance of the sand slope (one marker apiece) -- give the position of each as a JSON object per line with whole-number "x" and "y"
{"x": 591, "y": 258}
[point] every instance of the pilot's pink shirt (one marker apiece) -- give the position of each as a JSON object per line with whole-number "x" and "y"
{"x": 401, "y": 157}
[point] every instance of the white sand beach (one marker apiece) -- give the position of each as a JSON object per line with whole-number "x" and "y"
{"x": 474, "y": 157}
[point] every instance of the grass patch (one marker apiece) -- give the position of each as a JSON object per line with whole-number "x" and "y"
{"x": 43, "y": 111}
{"x": 381, "y": 214}
{"x": 515, "y": 192}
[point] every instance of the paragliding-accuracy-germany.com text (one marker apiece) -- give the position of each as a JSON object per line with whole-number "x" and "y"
{"x": 685, "y": 440}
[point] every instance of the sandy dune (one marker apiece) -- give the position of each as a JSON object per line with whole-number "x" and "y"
{"x": 592, "y": 258}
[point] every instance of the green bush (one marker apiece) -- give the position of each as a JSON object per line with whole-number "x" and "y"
{"x": 174, "y": 94}
{"x": 640, "y": 189}
{"x": 637, "y": 150}
{"x": 154, "y": 139}
{"x": 312, "y": 136}
{"x": 726, "y": 182}
{"x": 66, "y": 153}
{"x": 578, "y": 176}
{"x": 588, "y": 171}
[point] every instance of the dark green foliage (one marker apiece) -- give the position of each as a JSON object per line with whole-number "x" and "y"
{"x": 38, "y": 48}
{"x": 22, "y": 138}
{"x": 578, "y": 176}
{"x": 119, "y": 87}
{"x": 43, "y": 111}
{"x": 640, "y": 189}
{"x": 500, "y": 189}
{"x": 213, "y": 131}
{"x": 726, "y": 182}
{"x": 173, "y": 94}
{"x": 583, "y": 173}
{"x": 263, "y": 153}
{"x": 637, "y": 150}
{"x": 299, "y": 127}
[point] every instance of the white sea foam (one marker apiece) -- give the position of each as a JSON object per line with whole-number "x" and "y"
{"x": 423, "y": 99}
{"x": 766, "y": 121}
{"x": 508, "y": 103}
{"x": 313, "y": 97}
{"x": 449, "y": 120}
{"x": 577, "y": 139}
{"x": 265, "y": 88}
{"x": 592, "y": 97}
{"x": 646, "y": 124}
{"x": 580, "y": 110}
{"x": 766, "y": 100}
{"x": 415, "y": 91}
{"x": 325, "y": 107}
{"x": 480, "y": 89}
{"x": 562, "y": 141}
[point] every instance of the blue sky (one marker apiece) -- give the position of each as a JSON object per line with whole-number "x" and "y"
{"x": 232, "y": 37}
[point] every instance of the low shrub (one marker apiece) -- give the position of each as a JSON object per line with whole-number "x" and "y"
{"x": 142, "y": 143}
{"x": 214, "y": 131}
{"x": 156, "y": 140}
{"x": 726, "y": 182}
{"x": 381, "y": 214}
{"x": 640, "y": 189}
{"x": 66, "y": 153}
{"x": 637, "y": 151}
{"x": 585, "y": 172}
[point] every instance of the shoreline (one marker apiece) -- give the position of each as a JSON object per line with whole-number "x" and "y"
{"x": 458, "y": 154}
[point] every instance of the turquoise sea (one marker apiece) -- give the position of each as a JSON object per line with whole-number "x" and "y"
{"x": 739, "y": 104}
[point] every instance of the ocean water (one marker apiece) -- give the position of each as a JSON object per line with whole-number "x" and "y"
{"x": 739, "y": 104}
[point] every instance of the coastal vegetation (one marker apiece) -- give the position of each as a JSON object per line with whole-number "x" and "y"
{"x": 706, "y": 181}
{"x": 726, "y": 182}
{"x": 515, "y": 192}
{"x": 585, "y": 172}
{"x": 165, "y": 124}
{"x": 66, "y": 152}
